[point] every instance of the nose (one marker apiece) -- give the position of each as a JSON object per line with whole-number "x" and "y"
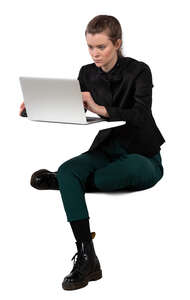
{"x": 95, "y": 53}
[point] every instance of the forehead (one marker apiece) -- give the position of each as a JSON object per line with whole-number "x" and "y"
{"x": 97, "y": 38}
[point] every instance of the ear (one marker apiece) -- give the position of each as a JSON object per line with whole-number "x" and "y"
{"x": 118, "y": 43}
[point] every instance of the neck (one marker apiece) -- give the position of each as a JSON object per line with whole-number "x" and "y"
{"x": 110, "y": 65}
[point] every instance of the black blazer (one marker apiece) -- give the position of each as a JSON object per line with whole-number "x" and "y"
{"x": 126, "y": 93}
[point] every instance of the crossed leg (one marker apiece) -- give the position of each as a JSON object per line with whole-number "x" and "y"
{"x": 129, "y": 171}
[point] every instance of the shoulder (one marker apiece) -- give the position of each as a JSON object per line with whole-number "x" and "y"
{"x": 127, "y": 63}
{"x": 133, "y": 64}
{"x": 91, "y": 66}
{"x": 136, "y": 70}
{"x": 86, "y": 70}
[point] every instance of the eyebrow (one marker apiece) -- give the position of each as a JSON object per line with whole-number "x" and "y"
{"x": 97, "y": 45}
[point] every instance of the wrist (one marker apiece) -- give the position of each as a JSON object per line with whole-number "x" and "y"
{"x": 101, "y": 110}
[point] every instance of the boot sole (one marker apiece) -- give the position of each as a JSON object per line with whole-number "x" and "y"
{"x": 74, "y": 286}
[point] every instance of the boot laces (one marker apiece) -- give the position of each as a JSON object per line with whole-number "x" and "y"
{"x": 78, "y": 260}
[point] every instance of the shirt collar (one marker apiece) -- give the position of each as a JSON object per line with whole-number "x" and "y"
{"x": 112, "y": 74}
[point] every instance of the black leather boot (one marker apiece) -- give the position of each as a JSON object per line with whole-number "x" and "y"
{"x": 44, "y": 180}
{"x": 86, "y": 266}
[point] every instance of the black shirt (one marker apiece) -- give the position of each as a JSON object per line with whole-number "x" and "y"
{"x": 126, "y": 93}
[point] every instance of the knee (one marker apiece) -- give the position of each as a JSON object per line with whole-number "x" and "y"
{"x": 64, "y": 168}
{"x": 160, "y": 173}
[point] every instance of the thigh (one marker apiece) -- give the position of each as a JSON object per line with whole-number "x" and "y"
{"x": 130, "y": 171}
{"x": 84, "y": 164}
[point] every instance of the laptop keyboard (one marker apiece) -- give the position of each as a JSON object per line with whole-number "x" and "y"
{"x": 92, "y": 118}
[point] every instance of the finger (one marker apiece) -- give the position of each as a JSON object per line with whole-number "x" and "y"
{"x": 21, "y": 109}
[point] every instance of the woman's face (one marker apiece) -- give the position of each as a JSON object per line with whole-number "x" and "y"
{"x": 101, "y": 49}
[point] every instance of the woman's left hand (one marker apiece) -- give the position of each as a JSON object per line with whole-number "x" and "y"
{"x": 88, "y": 102}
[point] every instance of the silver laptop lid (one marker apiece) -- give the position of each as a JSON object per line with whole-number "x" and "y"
{"x": 53, "y": 99}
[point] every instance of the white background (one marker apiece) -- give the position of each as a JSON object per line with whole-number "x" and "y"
{"x": 142, "y": 238}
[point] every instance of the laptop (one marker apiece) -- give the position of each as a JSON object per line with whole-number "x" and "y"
{"x": 54, "y": 100}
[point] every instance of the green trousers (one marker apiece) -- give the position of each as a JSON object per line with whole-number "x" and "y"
{"x": 107, "y": 168}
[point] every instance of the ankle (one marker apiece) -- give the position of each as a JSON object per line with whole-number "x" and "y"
{"x": 81, "y": 230}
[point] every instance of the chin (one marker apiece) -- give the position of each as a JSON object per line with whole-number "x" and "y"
{"x": 98, "y": 63}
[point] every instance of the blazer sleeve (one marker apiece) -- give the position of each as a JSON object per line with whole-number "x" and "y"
{"x": 81, "y": 82}
{"x": 142, "y": 101}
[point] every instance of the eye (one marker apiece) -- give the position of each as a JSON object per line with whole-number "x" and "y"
{"x": 100, "y": 47}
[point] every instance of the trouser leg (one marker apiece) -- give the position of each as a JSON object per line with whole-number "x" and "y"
{"x": 130, "y": 172}
{"x": 109, "y": 168}
{"x": 72, "y": 177}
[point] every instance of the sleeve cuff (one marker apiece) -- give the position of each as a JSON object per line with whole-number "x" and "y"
{"x": 114, "y": 113}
